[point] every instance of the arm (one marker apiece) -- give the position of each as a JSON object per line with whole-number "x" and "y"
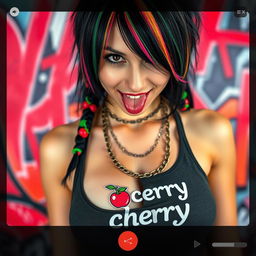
{"x": 222, "y": 174}
{"x": 55, "y": 154}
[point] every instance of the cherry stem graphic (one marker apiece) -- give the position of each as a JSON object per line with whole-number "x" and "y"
{"x": 117, "y": 189}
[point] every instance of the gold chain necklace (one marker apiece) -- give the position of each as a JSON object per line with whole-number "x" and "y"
{"x": 124, "y": 150}
{"x": 120, "y": 166}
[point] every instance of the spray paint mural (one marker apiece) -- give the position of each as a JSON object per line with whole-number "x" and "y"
{"x": 40, "y": 90}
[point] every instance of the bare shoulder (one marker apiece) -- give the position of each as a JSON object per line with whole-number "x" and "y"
{"x": 210, "y": 135}
{"x": 55, "y": 155}
{"x": 208, "y": 123}
{"x": 56, "y": 146}
{"x": 60, "y": 135}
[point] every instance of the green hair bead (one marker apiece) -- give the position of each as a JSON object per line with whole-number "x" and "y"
{"x": 75, "y": 150}
{"x": 82, "y": 123}
{"x": 87, "y": 100}
{"x": 184, "y": 95}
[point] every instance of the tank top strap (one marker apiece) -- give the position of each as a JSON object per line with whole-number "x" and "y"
{"x": 185, "y": 144}
{"x": 78, "y": 171}
{"x": 182, "y": 135}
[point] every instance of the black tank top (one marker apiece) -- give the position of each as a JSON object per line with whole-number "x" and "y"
{"x": 180, "y": 196}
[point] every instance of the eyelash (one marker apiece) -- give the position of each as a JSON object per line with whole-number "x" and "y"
{"x": 106, "y": 57}
{"x": 112, "y": 55}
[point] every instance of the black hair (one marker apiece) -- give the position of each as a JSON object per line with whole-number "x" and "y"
{"x": 180, "y": 31}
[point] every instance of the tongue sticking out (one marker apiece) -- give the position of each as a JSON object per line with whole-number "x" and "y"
{"x": 134, "y": 106}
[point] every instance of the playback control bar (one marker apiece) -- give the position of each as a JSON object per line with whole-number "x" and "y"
{"x": 230, "y": 244}
{"x": 224, "y": 244}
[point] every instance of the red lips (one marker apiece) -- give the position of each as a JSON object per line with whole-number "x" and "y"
{"x": 134, "y": 105}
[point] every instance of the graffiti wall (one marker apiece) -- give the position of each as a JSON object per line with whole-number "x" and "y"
{"x": 41, "y": 85}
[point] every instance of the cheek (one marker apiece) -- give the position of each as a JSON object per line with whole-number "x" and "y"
{"x": 109, "y": 77}
{"x": 160, "y": 80}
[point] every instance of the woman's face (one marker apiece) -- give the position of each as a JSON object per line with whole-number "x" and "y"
{"x": 133, "y": 86}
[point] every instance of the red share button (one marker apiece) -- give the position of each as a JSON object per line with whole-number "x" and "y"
{"x": 127, "y": 240}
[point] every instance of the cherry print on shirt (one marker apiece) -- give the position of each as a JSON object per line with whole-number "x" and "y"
{"x": 119, "y": 198}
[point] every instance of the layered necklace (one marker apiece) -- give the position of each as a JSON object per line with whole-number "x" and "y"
{"x": 164, "y": 126}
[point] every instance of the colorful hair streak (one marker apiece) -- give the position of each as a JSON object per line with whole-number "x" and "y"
{"x": 85, "y": 70}
{"x": 173, "y": 38}
{"x": 187, "y": 60}
{"x": 94, "y": 41}
{"x": 149, "y": 18}
{"x": 187, "y": 44}
{"x": 106, "y": 36}
{"x": 188, "y": 48}
{"x": 108, "y": 29}
{"x": 136, "y": 37}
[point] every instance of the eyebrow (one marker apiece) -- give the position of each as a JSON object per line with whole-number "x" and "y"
{"x": 115, "y": 51}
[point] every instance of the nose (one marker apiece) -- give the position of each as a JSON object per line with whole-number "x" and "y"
{"x": 136, "y": 79}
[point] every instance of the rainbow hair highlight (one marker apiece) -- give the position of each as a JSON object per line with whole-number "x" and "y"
{"x": 83, "y": 66}
{"x": 156, "y": 31}
{"x": 150, "y": 20}
{"x": 137, "y": 38}
{"x": 94, "y": 42}
{"x": 109, "y": 28}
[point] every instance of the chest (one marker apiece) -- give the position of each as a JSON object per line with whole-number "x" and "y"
{"x": 101, "y": 179}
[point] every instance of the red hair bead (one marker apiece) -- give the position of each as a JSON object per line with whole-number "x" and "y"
{"x": 83, "y": 133}
{"x": 93, "y": 107}
{"x": 85, "y": 105}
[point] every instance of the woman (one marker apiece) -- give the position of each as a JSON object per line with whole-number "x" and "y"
{"x": 141, "y": 155}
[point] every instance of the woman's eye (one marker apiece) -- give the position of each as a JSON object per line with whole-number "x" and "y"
{"x": 114, "y": 58}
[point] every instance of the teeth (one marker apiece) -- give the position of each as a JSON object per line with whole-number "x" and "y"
{"x": 133, "y": 97}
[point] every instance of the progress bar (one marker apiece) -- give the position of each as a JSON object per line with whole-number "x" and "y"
{"x": 232, "y": 244}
